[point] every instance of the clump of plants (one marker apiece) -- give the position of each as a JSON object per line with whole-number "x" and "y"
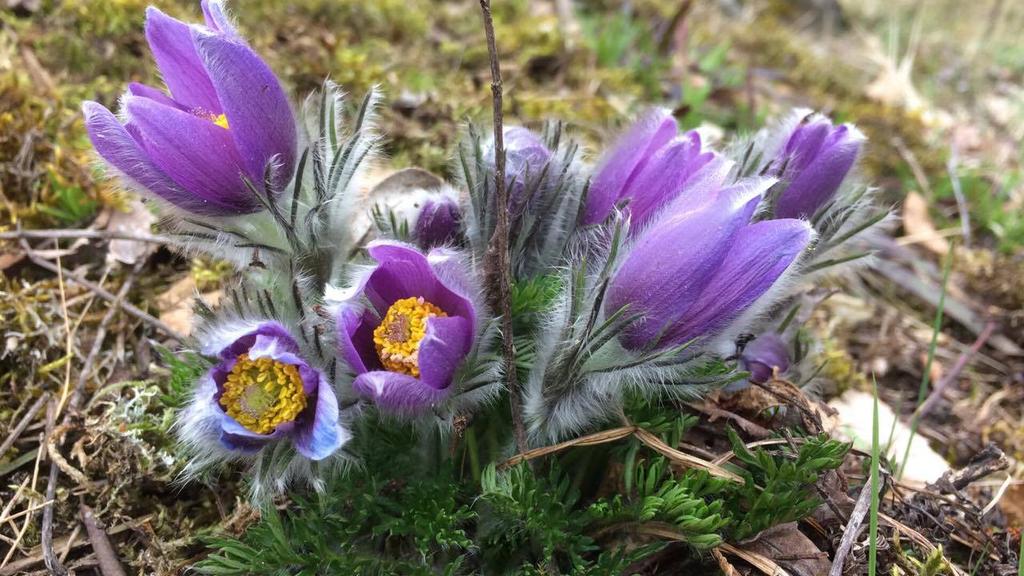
{"x": 486, "y": 378}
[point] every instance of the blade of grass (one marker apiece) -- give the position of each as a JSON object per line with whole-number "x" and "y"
{"x": 873, "y": 519}
{"x": 922, "y": 392}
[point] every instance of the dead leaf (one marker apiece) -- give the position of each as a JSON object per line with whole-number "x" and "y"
{"x": 790, "y": 548}
{"x": 918, "y": 225}
{"x": 136, "y": 220}
{"x": 176, "y": 304}
{"x": 9, "y": 259}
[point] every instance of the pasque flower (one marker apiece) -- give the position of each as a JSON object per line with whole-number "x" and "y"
{"x": 406, "y": 327}
{"x": 439, "y": 221}
{"x": 649, "y": 166}
{"x": 260, "y": 391}
{"x": 226, "y": 118}
{"x": 526, "y": 155}
{"x": 700, "y": 265}
{"x": 814, "y": 161}
{"x": 767, "y": 353}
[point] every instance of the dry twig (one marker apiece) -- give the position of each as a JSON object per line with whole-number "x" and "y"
{"x": 496, "y": 261}
{"x": 852, "y": 530}
{"x": 129, "y": 308}
{"x": 74, "y": 234}
{"x": 23, "y": 423}
{"x": 57, "y": 462}
{"x": 110, "y": 565}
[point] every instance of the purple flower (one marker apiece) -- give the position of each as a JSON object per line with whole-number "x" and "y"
{"x": 226, "y": 118}
{"x": 408, "y": 326}
{"x": 767, "y": 353}
{"x": 817, "y": 157}
{"x": 261, "y": 390}
{"x": 650, "y": 166}
{"x": 438, "y": 223}
{"x": 699, "y": 266}
{"x": 525, "y": 158}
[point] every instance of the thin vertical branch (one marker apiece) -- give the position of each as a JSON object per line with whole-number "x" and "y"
{"x": 496, "y": 260}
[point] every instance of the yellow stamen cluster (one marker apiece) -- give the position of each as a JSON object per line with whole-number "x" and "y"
{"x": 399, "y": 335}
{"x": 263, "y": 393}
{"x": 220, "y": 120}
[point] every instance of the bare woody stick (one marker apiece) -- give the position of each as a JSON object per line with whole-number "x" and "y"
{"x": 496, "y": 260}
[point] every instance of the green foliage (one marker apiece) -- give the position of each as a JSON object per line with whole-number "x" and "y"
{"x": 70, "y": 204}
{"x": 185, "y": 368}
{"x": 389, "y": 224}
{"x": 529, "y": 518}
{"x": 690, "y": 503}
{"x": 779, "y": 488}
{"x": 531, "y": 297}
{"x": 363, "y": 523}
{"x": 417, "y": 511}
{"x": 620, "y": 40}
{"x": 990, "y": 199}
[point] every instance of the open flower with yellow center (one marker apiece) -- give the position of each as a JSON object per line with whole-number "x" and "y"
{"x": 262, "y": 391}
{"x": 407, "y": 327}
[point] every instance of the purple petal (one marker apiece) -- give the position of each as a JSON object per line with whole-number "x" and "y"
{"x": 664, "y": 177}
{"x": 397, "y": 392}
{"x": 438, "y": 222}
{"x": 762, "y": 356}
{"x": 444, "y": 346}
{"x": 113, "y": 142}
{"x": 760, "y": 254}
{"x": 277, "y": 336}
{"x": 806, "y": 140}
{"x": 355, "y": 339}
{"x": 320, "y": 436}
{"x": 672, "y": 261}
{"x": 259, "y": 117}
{"x": 216, "y": 18}
{"x": 819, "y": 157}
{"x": 237, "y": 437}
{"x": 144, "y": 91}
{"x": 182, "y": 70}
{"x": 196, "y": 153}
{"x": 525, "y": 153}
{"x": 626, "y": 159}
{"x": 404, "y": 272}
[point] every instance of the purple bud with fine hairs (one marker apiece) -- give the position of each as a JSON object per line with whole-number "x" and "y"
{"x": 261, "y": 391}
{"x": 226, "y": 119}
{"x": 816, "y": 158}
{"x": 650, "y": 166}
{"x": 762, "y": 357}
{"x": 699, "y": 266}
{"x": 406, "y": 327}
{"x": 526, "y": 155}
{"x": 438, "y": 223}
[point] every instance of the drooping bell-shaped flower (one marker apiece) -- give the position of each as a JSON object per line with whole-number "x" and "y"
{"x": 814, "y": 161}
{"x": 226, "y": 118}
{"x": 262, "y": 391}
{"x": 405, "y": 329}
{"x": 439, "y": 221}
{"x": 650, "y": 166}
{"x": 765, "y": 355}
{"x": 699, "y": 266}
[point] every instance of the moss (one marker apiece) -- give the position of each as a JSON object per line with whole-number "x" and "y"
{"x": 840, "y": 368}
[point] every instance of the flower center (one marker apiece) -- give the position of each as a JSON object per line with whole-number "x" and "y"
{"x": 399, "y": 335}
{"x": 263, "y": 393}
{"x": 220, "y": 120}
